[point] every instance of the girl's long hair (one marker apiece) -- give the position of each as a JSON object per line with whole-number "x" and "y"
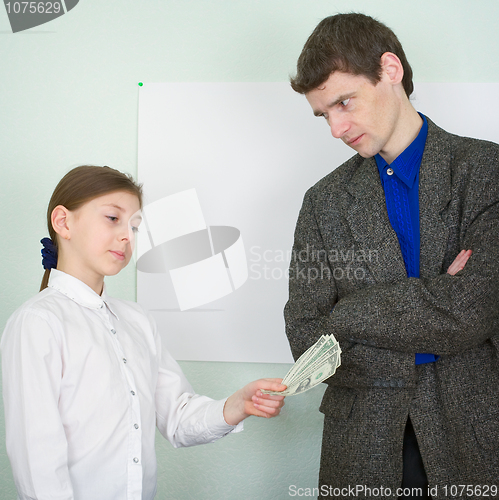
{"x": 83, "y": 184}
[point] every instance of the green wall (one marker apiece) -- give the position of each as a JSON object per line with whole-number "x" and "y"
{"x": 69, "y": 96}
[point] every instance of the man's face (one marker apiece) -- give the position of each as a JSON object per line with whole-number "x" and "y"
{"x": 364, "y": 116}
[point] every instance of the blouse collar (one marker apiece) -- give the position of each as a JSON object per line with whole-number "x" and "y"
{"x": 78, "y": 291}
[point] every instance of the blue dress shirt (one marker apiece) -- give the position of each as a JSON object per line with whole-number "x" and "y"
{"x": 400, "y": 182}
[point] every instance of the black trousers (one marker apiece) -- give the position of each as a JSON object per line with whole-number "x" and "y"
{"x": 414, "y": 474}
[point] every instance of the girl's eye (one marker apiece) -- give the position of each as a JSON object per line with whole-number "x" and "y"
{"x": 112, "y": 218}
{"x": 134, "y": 229}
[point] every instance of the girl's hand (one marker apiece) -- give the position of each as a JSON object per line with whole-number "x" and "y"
{"x": 250, "y": 401}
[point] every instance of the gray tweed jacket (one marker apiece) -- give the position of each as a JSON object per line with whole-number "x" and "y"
{"x": 346, "y": 256}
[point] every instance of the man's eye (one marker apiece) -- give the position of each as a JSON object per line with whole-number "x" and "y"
{"x": 345, "y": 102}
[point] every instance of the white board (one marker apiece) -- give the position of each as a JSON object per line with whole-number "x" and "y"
{"x": 243, "y": 155}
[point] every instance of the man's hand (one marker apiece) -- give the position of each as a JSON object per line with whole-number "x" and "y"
{"x": 250, "y": 401}
{"x": 459, "y": 262}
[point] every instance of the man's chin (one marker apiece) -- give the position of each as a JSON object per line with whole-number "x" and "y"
{"x": 361, "y": 151}
{"x": 364, "y": 154}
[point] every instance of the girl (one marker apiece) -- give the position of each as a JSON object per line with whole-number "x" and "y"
{"x": 85, "y": 378}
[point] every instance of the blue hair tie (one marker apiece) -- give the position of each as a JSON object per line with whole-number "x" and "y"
{"x": 49, "y": 254}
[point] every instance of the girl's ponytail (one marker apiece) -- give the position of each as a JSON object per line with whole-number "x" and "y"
{"x": 45, "y": 279}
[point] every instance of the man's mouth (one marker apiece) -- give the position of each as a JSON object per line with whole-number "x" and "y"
{"x": 355, "y": 140}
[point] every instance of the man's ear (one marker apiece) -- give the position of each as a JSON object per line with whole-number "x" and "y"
{"x": 59, "y": 220}
{"x": 391, "y": 68}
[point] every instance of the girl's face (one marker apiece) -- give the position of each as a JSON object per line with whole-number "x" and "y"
{"x": 101, "y": 236}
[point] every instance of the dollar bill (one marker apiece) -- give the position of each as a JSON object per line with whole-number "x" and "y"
{"x": 315, "y": 365}
{"x": 303, "y": 359}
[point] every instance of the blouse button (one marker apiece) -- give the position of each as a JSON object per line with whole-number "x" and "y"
{"x": 133, "y": 393}
{"x": 389, "y": 171}
{"x": 136, "y": 460}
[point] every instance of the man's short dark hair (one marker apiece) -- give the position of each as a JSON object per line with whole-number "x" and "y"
{"x": 351, "y": 43}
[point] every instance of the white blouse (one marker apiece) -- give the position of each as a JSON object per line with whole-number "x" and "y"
{"x": 85, "y": 381}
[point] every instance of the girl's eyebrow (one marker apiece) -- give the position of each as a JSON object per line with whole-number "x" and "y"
{"x": 114, "y": 206}
{"x": 137, "y": 217}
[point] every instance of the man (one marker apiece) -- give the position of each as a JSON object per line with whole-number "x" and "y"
{"x": 414, "y": 403}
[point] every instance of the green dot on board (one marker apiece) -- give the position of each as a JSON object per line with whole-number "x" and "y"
{"x": 140, "y": 84}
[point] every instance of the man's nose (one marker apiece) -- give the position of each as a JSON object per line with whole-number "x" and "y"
{"x": 338, "y": 128}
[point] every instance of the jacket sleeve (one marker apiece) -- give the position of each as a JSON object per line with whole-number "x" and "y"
{"x": 444, "y": 315}
{"x": 311, "y": 298}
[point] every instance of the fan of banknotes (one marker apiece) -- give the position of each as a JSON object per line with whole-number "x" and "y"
{"x": 315, "y": 365}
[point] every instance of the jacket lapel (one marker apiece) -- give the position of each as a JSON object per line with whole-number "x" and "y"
{"x": 434, "y": 196}
{"x": 370, "y": 226}
{"x": 368, "y": 217}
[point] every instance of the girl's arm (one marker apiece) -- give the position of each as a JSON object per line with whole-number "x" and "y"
{"x": 186, "y": 418}
{"x": 35, "y": 437}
